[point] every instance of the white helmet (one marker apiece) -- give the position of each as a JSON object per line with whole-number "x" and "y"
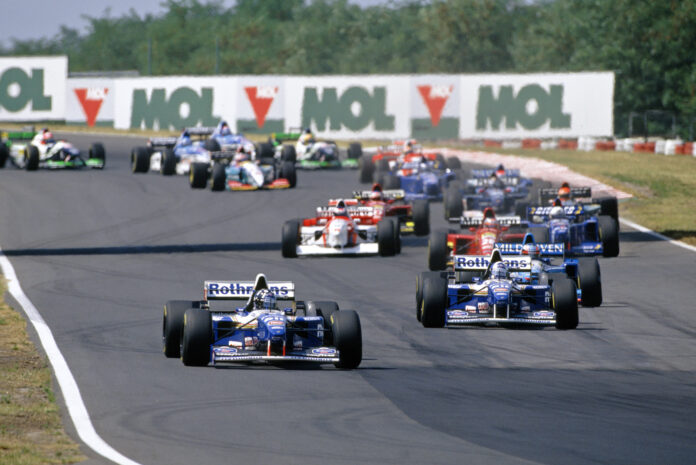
{"x": 557, "y": 213}
{"x": 499, "y": 270}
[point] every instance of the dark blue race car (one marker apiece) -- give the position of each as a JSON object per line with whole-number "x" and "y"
{"x": 419, "y": 178}
{"x": 259, "y": 321}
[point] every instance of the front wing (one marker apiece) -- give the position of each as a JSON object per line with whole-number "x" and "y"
{"x": 364, "y": 248}
{"x": 224, "y": 354}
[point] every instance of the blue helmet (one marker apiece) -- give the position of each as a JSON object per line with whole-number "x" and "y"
{"x": 499, "y": 270}
{"x": 264, "y": 300}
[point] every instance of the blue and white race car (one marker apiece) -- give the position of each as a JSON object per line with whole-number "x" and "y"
{"x": 259, "y": 321}
{"x": 482, "y": 291}
{"x": 417, "y": 176}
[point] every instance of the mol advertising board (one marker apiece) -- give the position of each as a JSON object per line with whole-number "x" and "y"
{"x": 349, "y": 106}
{"x": 435, "y": 106}
{"x": 536, "y": 105}
{"x": 90, "y": 102}
{"x": 261, "y": 104}
{"x": 174, "y": 102}
{"x": 33, "y": 88}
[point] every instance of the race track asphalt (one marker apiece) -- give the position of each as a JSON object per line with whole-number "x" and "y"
{"x": 100, "y": 252}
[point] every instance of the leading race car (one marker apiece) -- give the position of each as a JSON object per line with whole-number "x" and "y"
{"x": 485, "y": 229}
{"x": 259, "y": 321}
{"x": 461, "y": 298}
{"x": 310, "y": 153}
{"x": 341, "y": 230}
{"x": 31, "y": 150}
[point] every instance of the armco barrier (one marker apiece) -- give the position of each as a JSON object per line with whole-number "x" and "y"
{"x": 492, "y": 143}
{"x": 644, "y": 147}
{"x": 531, "y": 143}
{"x": 567, "y": 144}
{"x": 605, "y": 145}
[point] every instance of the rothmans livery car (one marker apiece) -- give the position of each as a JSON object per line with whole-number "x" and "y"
{"x": 464, "y": 297}
{"x": 259, "y": 321}
{"x": 31, "y": 150}
{"x": 342, "y": 230}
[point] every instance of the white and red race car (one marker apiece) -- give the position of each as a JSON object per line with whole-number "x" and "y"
{"x": 341, "y": 229}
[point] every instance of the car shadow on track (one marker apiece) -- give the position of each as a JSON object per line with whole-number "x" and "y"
{"x": 146, "y": 249}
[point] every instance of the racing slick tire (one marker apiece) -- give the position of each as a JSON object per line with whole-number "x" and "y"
{"x": 440, "y": 161}
{"x": 383, "y": 164}
{"x": 454, "y": 163}
{"x": 173, "y": 324}
{"x": 31, "y": 158}
{"x": 386, "y": 238}
{"x": 168, "y": 165}
{"x": 564, "y": 301}
{"x": 608, "y": 206}
{"x": 219, "y": 178}
{"x": 421, "y": 217}
{"x": 355, "y": 150}
{"x": 437, "y": 251}
{"x": 96, "y": 150}
{"x": 287, "y": 171}
{"x": 540, "y": 234}
{"x": 589, "y": 282}
{"x": 140, "y": 160}
{"x": 347, "y": 338}
{"x": 291, "y": 238}
{"x": 609, "y": 235}
{"x": 4, "y": 154}
{"x": 378, "y": 177}
{"x": 324, "y": 309}
{"x": 264, "y": 151}
{"x": 211, "y": 145}
{"x": 397, "y": 234}
{"x": 366, "y": 168}
{"x": 420, "y": 280}
{"x": 454, "y": 207}
{"x": 434, "y": 302}
{"x": 198, "y": 175}
{"x": 196, "y": 337}
{"x": 391, "y": 182}
{"x": 288, "y": 153}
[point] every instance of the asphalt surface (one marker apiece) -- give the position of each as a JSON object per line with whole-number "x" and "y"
{"x": 100, "y": 252}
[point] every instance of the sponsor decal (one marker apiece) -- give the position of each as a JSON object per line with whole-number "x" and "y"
{"x": 237, "y": 289}
{"x": 458, "y": 313}
{"x": 501, "y": 289}
{"x": 225, "y": 350}
{"x": 18, "y": 89}
{"x": 355, "y": 109}
{"x": 251, "y": 341}
{"x": 545, "y": 249}
{"x": 234, "y": 344}
{"x": 483, "y": 306}
{"x": 261, "y": 99}
{"x": 435, "y": 98}
{"x": 324, "y": 352}
{"x": 544, "y": 314}
{"x": 185, "y": 107}
{"x": 530, "y": 108}
{"x": 91, "y": 100}
{"x": 477, "y": 262}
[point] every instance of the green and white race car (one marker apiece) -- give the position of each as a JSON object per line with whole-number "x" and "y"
{"x": 32, "y": 150}
{"x": 311, "y": 154}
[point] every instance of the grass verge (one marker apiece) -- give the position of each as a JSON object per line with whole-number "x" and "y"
{"x": 31, "y": 432}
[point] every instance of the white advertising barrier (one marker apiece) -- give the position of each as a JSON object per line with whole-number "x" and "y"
{"x": 90, "y": 101}
{"x": 504, "y": 106}
{"x": 174, "y": 102}
{"x": 33, "y": 88}
{"x": 345, "y": 107}
{"x": 434, "y": 106}
{"x": 261, "y": 104}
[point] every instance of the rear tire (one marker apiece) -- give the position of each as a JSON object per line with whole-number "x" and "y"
{"x": 437, "y": 251}
{"x": 454, "y": 163}
{"x": 421, "y": 217}
{"x": 31, "y": 158}
{"x": 454, "y": 207}
{"x": 291, "y": 238}
{"x": 434, "y": 302}
{"x": 219, "y": 177}
{"x": 608, "y": 206}
{"x": 288, "y": 153}
{"x": 4, "y": 154}
{"x": 609, "y": 235}
{"x": 97, "y": 152}
{"x": 211, "y": 145}
{"x": 173, "y": 325}
{"x": 168, "y": 165}
{"x": 367, "y": 169}
{"x": 264, "y": 151}
{"x": 347, "y": 336}
{"x": 420, "y": 280}
{"x": 386, "y": 238}
{"x": 287, "y": 171}
{"x": 198, "y": 175}
{"x": 589, "y": 282}
{"x": 140, "y": 160}
{"x": 196, "y": 337}
{"x": 391, "y": 182}
{"x": 565, "y": 303}
{"x": 355, "y": 150}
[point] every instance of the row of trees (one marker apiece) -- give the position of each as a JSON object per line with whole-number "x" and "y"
{"x": 648, "y": 43}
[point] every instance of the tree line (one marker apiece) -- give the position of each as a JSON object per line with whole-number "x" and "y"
{"x": 648, "y": 43}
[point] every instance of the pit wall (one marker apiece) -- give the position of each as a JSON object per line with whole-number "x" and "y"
{"x": 424, "y": 106}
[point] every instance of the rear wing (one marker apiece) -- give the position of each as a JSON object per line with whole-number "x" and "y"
{"x": 482, "y": 263}
{"x": 242, "y": 290}
{"x": 485, "y": 182}
{"x": 549, "y": 194}
{"x": 17, "y": 135}
{"x": 223, "y": 155}
{"x": 469, "y": 221}
{"x": 390, "y": 194}
{"x": 290, "y": 134}
{"x": 200, "y": 131}
{"x": 571, "y": 211}
{"x": 166, "y": 142}
{"x": 486, "y": 173}
{"x": 352, "y": 210}
{"x": 545, "y": 249}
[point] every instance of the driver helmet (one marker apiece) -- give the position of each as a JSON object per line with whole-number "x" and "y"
{"x": 500, "y": 170}
{"x": 491, "y": 223}
{"x": 225, "y": 129}
{"x": 185, "y": 138}
{"x": 264, "y": 300}
{"x": 532, "y": 250}
{"x": 241, "y": 155}
{"x": 410, "y": 145}
{"x": 564, "y": 192}
{"x": 307, "y": 136}
{"x": 340, "y": 209}
{"x": 46, "y": 136}
{"x": 376, "y": 195}
{"x": 557, "y": 213}
{"x": 499, "y": 271}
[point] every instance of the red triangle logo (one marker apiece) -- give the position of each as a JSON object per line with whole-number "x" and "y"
{"x": 261, "y": 99}
{"x": 435, "y": 98}
{"x": 91, "y": 100}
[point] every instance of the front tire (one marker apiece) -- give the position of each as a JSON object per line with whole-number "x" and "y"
{"x": 198, "y": 175}
{"x": 421, "y": 217}
{"x": 589, "y": 282}
{"x": 437, "y": 251}
{"x": 347, "y": 335}
{"x": 173, "y": 325}
{"x": 97, "y": 152}
{"x": 31, "y": 158}
{"x": 288, "y": 153}
{"x": 4, "y": 154}
{"x": 168, "y": 165}
{"x": 434, "y": 303}
{"x": 291, "y": 238}
{"x": 565, "y": 303}
{"x": 287, "y": 171}
{"x": 196, "y": 337}
{"x": 386, "y": 238}
{"x": 454, "y": 208}
{"x": 140, "y": 160}
{"x": 219, "y": 177}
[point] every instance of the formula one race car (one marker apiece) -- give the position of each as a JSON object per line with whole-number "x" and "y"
{"x": 579, "y": 196}
{"x": 418, "y": 177}
{"x": 30, "y": 150}
{"x": 236, "y": 171}
{"x": 342, "y": 230}
{"x": 259, "y": 321}
{"x": 413, "y": 218}
{"x": 481, "y": 231}
{"x": 310, "y": 153}
{"x": 502, "y": 193}
{"x": 461, "y": 298}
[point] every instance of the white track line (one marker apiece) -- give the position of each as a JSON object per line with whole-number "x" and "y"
{"x": 66, "y": 381}
{"x": 645, "y": 230}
